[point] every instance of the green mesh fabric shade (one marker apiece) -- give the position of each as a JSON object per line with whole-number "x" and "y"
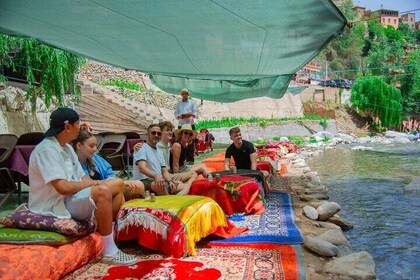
{"x": 220, "y": 50}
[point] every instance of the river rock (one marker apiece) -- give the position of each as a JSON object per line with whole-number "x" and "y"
{"x": 308, "y": 198}
{"x": 414, "y": 185}
{"x": 362, "y": 148}
{"x": 357, "y": 266}
{"x": 395, "y": 134}
{"x": 341, "y": 222}
{"x": 299, "y": 164}
{"x": 328, "y": 225}
{"x": 346, "y": 138}
{"x": 318, "y": 195}
{"x": 306, "y": 169}
{"x": 320, "y": 246}
{"x": 401, "y": 140}
{"x": 344, "y": 250}
{"x": 328, "y": 210}
{"x": 336, "y": 237}
{"x": 310, "y": 212}
{"x": 363, "y": 140}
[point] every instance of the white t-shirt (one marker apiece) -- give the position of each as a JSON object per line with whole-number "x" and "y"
{"x": 50, "y": 161}
{"x": 153, "y": 158}
{"x": 166, "y": 151}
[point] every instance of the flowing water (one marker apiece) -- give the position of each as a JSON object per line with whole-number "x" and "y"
{"x": 369, "y": 186}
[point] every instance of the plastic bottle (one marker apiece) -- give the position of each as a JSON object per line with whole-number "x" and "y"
{"x": 147, "y": 196}
{"x": 152, "y": 197}
{"x": 210, "y": 177}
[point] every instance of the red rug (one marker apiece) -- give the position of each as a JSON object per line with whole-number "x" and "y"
{"x": 251, "y": 261}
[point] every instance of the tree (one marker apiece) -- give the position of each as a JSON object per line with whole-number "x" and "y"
{"x": 385, "y": 49}
{"x": 372, "y": 95}
{"x": 410, "y": 83}
{"x": 343, "y": 53}
{"x": 50, "y": 72}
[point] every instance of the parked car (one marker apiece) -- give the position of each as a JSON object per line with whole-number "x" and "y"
{"x": 342, "y": 83}
{"x": 327, "y": 83}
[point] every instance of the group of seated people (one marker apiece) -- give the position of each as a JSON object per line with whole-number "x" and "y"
{"x": 69, "y": 180}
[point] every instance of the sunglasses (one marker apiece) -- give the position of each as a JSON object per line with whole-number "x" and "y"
{"x": 188, "y": 133}
{"x": 158, "y": 133}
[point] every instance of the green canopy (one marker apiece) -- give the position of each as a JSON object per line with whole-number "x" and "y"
{"x": 220, "y": 50}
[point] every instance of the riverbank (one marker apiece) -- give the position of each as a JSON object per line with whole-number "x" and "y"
{"x": 327, "y": 253}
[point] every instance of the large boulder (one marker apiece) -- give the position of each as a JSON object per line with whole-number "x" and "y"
{"x": 341, "y": 222}
{"x": 335, "y": 237}
{"x": 327, "y": 210}
{"x": 356, "y": 266}
{"x": 310, "y": 212}
{"x": 414, "y": 185}
{"x": 320, "y": 247}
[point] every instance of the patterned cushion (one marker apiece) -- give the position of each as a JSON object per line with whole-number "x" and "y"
{"x": 26, "y": 236}
{"x": 22, "y": 218}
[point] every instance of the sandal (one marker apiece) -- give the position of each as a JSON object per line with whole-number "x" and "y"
{"x": 120, "y": 258}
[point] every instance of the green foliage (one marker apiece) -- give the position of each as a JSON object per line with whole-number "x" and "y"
{"x": 323, "y": 123}
{"x": 232, "y": 122}
{"x": 410, "y": 83}
{"x": 372, "y": 94}
{"x": 344, "y": 52}
{"x": 276, "y": 138}
{"x": 312, "y": 141}
{"x": 123, "y": 84}
{"x": 52, "y": 68}
{"x": 297, "y": 140}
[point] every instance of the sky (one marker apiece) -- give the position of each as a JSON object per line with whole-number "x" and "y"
{"x": 398, "y": 5}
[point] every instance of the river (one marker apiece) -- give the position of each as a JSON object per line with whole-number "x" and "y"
{"x": 369, "y": 186}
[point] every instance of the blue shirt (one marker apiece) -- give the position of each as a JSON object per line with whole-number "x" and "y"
{"x": 101, "y": 166}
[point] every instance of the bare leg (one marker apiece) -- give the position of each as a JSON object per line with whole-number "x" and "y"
{"x": 184, "y": 188}
{"x": 201, "y": 169}
{"x": 103, "y": 200}
{"x": 116, "y": 187}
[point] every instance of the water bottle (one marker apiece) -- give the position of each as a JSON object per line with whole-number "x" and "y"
{"x": 147, "y": 197}
{"x": 210, "y": 178}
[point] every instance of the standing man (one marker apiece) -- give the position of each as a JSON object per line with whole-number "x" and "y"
{"x": 186, "y": 110}
{"x": 59, "y": 187}
{"x": 242, "y": 151}
{"x": 150, "y": 168}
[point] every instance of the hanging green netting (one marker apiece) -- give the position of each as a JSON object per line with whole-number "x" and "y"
{"x": 221, "y": 50}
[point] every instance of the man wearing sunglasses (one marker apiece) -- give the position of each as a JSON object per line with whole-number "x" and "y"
{"x": 150, "y": 168}
{"x": 186, "y": 110}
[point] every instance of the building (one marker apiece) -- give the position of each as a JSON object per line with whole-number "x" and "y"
{"x": 360, "y": 12}
{"x": 417, "y": 25}
{"x": 311, "y": 71}
{"x": 388, "y": 17}
{"x": 410, "y": 19}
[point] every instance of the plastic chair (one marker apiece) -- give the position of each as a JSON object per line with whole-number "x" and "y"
{"x": 99, "y": 139}
{"x": 7, "y": 183}
{"x": 30, "y": 138}
{"x": 131, "y": 135}
{"x": 111, "y": 149}
{"x": 7, "y": 144}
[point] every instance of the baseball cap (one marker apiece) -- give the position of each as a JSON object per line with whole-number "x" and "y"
{"x": 59, "y": 118}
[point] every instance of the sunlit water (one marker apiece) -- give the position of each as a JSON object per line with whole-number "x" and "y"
{"x": 369, "y": 186}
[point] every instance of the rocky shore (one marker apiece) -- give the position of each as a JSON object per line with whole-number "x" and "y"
{"x": 327, "y": 253}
